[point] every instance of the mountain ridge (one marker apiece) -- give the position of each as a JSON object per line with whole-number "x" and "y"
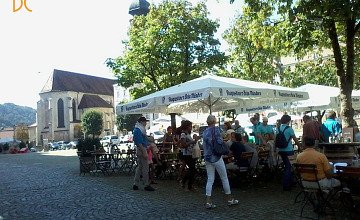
{"x": 12, "y": 114}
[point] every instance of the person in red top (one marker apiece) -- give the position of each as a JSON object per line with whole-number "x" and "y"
{"x": 312, "y": 129}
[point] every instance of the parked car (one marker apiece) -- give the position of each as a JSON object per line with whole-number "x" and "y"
{"x": 158, "y": 136}
{"x": 53, "y": 146}
{"x": 112, "y": 140}
{"x": 64, "y": 145}
{"x": 73, "y": 144}
{"x": 126, "y": 139}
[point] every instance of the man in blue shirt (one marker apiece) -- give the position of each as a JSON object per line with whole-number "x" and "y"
{"x": 256, "y": 124}
{"x": 263, "y": 129}
{"x": 330, "y": 126}
{"x": 141, "y": 144}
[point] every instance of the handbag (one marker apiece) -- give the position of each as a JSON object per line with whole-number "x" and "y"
{"x": 196, "y": 152}
{"x": 219, "y": 148}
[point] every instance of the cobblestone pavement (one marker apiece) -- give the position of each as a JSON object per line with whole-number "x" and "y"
{"x": 48, "y": 186}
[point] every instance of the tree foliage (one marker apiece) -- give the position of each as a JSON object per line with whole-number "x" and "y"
{"x": 318, "y": 71}
{"x": 92, "y": 123}
{"x": 126, "y": 121}
{"x": 312, "y": 25}
{"x": 22, "y": 133}
{"x": 172, "y": 44}
{"x": 255, "y": 45}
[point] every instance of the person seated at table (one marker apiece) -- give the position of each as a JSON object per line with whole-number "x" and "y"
{"x": 324, "y": 169}
{"x": 168, "y": 140}
{"x": 229, "y": 137}
{"x": 270, "y": 145}
{"x": 236, "y": 149}
{"x": 250, "y": 147}
{"x": 264, "y": 128}
{"x": 224, "y": 134}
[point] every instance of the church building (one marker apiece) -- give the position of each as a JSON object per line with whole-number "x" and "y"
{"x": 64, "y": 99}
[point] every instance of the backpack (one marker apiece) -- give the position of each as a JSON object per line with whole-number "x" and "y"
{"x": 280, "y": 139}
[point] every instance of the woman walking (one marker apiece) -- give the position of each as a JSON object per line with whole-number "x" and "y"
{"x": 214, "y": 162}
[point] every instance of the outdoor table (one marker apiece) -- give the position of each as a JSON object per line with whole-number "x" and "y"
{"x": 350, "y": 178}
{"x": 339, "y": 152}
{"x": 168, "y": 161}
{"x": 105, "y": 161}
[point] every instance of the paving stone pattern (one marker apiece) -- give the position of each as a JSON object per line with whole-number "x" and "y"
{"x": 48, "y": 186}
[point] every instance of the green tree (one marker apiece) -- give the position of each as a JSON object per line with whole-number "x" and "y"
{"x": 92, "y": 123}
{"x": 22, "y": 133}
{"x": 319, "y": 71}
{"x": 255, "y": 45}
{"x": 126, "y": 121}
{"x": 172, "y": 44}
{"x": 314, "y": 25}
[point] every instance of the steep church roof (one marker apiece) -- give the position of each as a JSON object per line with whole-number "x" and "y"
{"x": 68, "y": 81}
{"x": 92, "y": 101}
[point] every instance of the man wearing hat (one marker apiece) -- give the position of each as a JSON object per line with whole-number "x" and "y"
{"x": 263, "y": 129}
{"x": 141, "y": 144}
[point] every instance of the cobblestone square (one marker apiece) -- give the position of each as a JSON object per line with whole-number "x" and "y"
{"x": 48, "y": 186}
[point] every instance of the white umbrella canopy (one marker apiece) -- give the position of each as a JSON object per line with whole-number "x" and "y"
{"x": 355, "y": 99}
{"x": 209, "y": 94}
{"x": 319, "y": 97}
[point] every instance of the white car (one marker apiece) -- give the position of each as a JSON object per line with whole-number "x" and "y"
{"x": 112, "y": 140}
{"x": 158, "y": 136}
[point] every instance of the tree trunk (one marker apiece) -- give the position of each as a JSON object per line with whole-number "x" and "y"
{"x": 345, "y": 77}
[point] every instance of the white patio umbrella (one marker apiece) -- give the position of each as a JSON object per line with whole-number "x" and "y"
{"x": 355, "y": 98}
{"x": 211, "y": 93}
{"x": 319, "y": 97}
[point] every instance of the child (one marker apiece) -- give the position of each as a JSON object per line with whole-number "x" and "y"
{"x": 152, "y": 151}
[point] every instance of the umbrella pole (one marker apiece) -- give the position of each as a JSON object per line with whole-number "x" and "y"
{"x": 173, "y": 121}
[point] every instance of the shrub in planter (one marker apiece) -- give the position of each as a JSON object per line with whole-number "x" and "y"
{"x": 85, "y": 146}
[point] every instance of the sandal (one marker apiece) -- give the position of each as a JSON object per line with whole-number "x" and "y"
{"x": 233, "y": 202}
{"x": 210, "y": 206}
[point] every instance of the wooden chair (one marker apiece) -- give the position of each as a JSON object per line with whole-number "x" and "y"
{"x": 311, "y": 190}
{"x": 245, "y": 172}
{"x": 262, "y": 169}
{"x": 87, "y": 163}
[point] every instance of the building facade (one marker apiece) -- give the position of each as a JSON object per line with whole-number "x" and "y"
{"x": 64, "y": 99}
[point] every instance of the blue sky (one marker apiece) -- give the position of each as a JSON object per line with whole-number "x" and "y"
{"x": 70, "y": 35}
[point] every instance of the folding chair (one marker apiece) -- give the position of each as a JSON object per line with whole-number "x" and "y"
{"x": 311, "y": 189}
{"x": 130, "y": 163}
{"x": 262, "y": 168}
{"x": 244, "y": 172}
{"x": 87, "y": 164}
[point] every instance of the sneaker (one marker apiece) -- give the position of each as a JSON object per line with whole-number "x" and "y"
{"x": 149, "y": 188}
{"x": 233, "y": 202}
{"x": 210, "y": 206}
{"x": 135, "y": 187}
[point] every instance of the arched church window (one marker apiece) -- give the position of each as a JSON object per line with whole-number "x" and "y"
{"x": 73, "y": 105}
{"x": 60, "y": 110}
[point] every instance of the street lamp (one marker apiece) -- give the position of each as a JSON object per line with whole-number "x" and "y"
{"x": 139, "y": 7}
